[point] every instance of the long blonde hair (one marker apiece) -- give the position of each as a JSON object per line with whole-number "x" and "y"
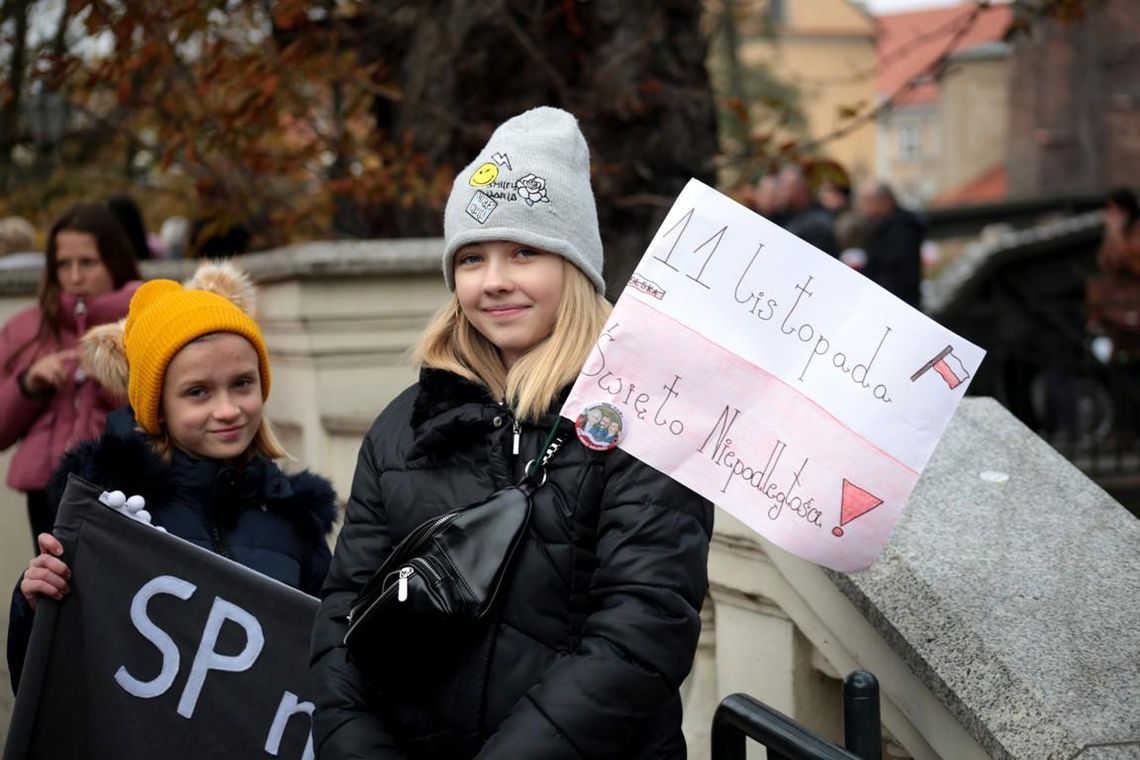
{"x": 450, "y": 342}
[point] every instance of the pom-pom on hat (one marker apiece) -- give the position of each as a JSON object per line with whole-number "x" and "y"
{"x": 162, "y": 319}
{"x": 530, "y": 184}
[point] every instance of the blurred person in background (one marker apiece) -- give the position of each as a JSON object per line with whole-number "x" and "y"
{"x": 47, "y": 401}
{"x": 766, "y": 199}
{"x": 1119, "y": 252}
{"x": 17, "y": 243}
{"x": 894, "y": 243}
{"x": 835, "y": 196}
{"x": 851, "y": 232}
{"x": 805, "y": 218}
{"x": 130, "y": 219}
{"x": 175, "y": 234}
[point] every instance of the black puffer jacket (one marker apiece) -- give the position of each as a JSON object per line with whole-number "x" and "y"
{"x": 258, "y": 516}
{"x": 894, "y": 255}
{"x": 596, "y": 628}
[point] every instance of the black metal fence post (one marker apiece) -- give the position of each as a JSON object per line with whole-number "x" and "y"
{"x": 861, "y": 724}
{"x": 740, "y": 717}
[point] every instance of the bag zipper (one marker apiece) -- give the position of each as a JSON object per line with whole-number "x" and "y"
{"x": 357, "y": 614}
{"x": 408, "y": 570}
{"x": 402, "y": 583}
{"x": 423, "y": 532}
{"x": 423, "y": 563}
{"x": 400, "y": 587}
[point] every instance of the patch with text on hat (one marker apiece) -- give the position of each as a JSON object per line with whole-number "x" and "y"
{"x": 529, "y": 188}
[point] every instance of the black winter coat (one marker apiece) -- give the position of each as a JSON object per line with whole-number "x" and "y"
{"x": 894, "y": 255}
{"x": 595, "y": 629}
{"x": 257, "y": 516}
{"x": 815, "y": 225}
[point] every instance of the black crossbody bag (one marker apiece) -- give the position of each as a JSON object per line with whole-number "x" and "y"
{"x": 443, "y": 578}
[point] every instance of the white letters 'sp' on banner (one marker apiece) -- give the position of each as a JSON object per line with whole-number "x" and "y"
{"x": 775, "y": 381}
{"x": 161, "y": 650}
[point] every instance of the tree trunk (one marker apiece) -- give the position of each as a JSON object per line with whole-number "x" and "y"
{"x": 632, "y": 72}
{"x": 10, "y": 109}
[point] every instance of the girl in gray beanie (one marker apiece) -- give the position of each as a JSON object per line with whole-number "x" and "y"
{"x": 596, "y": 622}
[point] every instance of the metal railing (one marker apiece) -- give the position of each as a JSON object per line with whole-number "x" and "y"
{"x": 740, "y": 717}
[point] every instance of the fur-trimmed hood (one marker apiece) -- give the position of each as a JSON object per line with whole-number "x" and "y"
{"x": 123, "y": 460}
{"x": 448, "y": 409}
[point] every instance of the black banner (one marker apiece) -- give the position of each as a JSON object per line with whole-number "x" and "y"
{"x": 161, "y": 650}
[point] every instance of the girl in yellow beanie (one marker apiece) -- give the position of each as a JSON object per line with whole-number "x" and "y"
{"x": 194, "y": 442}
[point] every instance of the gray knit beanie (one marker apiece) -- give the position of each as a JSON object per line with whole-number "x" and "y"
{"x": 530, "y": 184}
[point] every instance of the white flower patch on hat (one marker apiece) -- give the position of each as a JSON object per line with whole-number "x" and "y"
{"x": 532, "y": 189}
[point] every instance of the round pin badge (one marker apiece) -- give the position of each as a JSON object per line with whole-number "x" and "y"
{"x": 600, "y": 427}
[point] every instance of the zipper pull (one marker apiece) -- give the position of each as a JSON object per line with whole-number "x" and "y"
{"x": 402, "y": 587}
{"x": 518, "y": 432}
{"x": 81, "y": 316}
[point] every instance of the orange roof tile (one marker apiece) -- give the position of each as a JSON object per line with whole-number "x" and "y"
{"x": 987, "y": 187}
{"x": 908, "y": 43}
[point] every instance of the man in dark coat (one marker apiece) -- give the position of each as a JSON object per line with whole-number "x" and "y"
{"x": 804, "y": 217}
{"x": 894, "y": 245}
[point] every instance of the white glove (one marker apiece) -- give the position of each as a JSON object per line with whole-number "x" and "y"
{"x": 133, "y": 507}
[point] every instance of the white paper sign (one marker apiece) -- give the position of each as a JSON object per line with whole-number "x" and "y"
{"x": 774, "y": 380}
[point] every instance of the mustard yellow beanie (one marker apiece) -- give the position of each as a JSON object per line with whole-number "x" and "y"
{"x": 164, "y": 317}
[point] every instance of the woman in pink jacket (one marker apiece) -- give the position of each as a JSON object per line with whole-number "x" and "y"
{"x": 47, "y": 402}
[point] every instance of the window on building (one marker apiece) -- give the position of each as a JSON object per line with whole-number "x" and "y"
{"x": 775, "y": 12}
{"x": 910, "y": 141}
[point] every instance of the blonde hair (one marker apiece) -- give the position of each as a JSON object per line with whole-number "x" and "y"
{"x": 450, "y": 342}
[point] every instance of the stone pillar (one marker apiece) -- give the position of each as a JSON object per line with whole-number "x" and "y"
{"x": 760, "y": 650}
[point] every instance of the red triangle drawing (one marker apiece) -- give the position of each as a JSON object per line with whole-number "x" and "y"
{"x": 855, "y": 502}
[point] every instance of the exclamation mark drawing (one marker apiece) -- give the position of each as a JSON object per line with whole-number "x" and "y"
{"x": 854, "y": 503}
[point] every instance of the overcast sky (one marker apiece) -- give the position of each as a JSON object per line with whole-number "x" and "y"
{"x": 894, "y": 6}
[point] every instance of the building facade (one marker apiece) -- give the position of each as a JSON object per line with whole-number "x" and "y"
{"x": 944, "y": 77}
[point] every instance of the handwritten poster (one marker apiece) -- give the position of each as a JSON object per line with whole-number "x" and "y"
{"x": 774, "y": 380}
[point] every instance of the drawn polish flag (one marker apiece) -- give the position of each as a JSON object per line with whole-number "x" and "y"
{"x": 948, "y": 366}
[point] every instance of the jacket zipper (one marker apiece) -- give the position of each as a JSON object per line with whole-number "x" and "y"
{"x": 218, "y": 541}
{"x": 79, "y": 376}
{"x": 518, "y": 432}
